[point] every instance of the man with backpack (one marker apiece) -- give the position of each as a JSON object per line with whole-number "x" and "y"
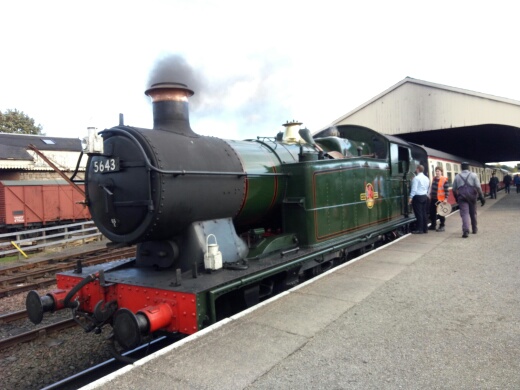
{"x": 467, "y": 189}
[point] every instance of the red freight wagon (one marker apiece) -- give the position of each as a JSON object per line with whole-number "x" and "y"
{"x": 38, "y": 203}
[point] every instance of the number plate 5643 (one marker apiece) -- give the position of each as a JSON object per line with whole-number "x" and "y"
{"x": 105, "y": 164}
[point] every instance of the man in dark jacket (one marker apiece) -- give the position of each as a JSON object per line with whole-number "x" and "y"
{"x": 516, "y": 182}
{"x": 507, "y": 182}
{"x": 468, "y": 207}
{"x": 493, "y": 185}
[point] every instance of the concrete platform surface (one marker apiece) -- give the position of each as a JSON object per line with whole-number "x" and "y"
{"x": 432, "y": 311}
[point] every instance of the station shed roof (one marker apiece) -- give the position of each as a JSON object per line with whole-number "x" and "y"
{"x": 470, "y": 124}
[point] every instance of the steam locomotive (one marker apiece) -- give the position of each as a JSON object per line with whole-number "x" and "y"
{"x": 221, "y": 225}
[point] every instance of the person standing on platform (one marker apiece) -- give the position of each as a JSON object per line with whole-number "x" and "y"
{"x": 493, "y": 185}
{"x": 419, "y": 200}
{"x": 516, "y": 182}
{"x": 438, "y": 193}
{"x": 466, "y": 188}
{"x": 507, "y": 182}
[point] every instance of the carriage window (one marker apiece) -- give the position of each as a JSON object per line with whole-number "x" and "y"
{"x": 449, "y": 173}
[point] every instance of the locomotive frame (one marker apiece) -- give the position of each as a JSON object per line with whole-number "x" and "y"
{"x": 281, "y": 210}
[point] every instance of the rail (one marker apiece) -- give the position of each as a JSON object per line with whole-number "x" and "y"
{"x": 54, "y": 236}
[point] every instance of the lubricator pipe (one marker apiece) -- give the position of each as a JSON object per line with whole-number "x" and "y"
{"x": 90, "y": 278}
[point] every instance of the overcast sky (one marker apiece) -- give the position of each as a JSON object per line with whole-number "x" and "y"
{"x": 252, "y": 64}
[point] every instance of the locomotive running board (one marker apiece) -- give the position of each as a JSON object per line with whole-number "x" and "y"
{"x": 298, "y": 261}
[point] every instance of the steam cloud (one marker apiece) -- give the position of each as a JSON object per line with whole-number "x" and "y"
{"x": 250, "y": 99}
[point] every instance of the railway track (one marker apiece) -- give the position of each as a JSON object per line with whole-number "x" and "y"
{"x": 13, "y": 316}
{"x": 87, "y": 376}
{"x": 91, "y": 374}
{"x": 76, "y": 379}
{"x": 38, "y": 274}
{"x": 34, "y": 334}
{"x": 41, "y": 273}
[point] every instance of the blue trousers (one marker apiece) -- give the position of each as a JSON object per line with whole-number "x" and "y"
{"x": 468, "y": 213}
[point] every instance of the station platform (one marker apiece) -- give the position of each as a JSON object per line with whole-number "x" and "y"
{"x": 430, "y": 311}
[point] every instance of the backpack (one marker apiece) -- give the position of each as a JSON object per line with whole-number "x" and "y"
{"x": 467, "y": 192}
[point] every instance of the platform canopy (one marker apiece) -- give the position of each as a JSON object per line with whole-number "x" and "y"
{"x": 469, "y": 124}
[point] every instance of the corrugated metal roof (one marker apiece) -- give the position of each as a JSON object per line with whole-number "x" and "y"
{"x": 17, "y": 164}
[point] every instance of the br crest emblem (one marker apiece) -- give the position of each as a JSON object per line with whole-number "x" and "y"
{"x": 369, "y": 195}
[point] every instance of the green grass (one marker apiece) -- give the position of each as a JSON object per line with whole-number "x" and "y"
{"x": 11, "y": 259}
{"x": 8, "y": 259}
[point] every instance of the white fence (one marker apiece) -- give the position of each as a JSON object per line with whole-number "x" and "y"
{"x": 36, "y": 239}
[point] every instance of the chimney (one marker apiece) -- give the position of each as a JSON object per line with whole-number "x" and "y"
{"x": 170, "y": 108}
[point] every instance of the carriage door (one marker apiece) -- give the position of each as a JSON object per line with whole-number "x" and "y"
{"x": 400, "y": 158}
